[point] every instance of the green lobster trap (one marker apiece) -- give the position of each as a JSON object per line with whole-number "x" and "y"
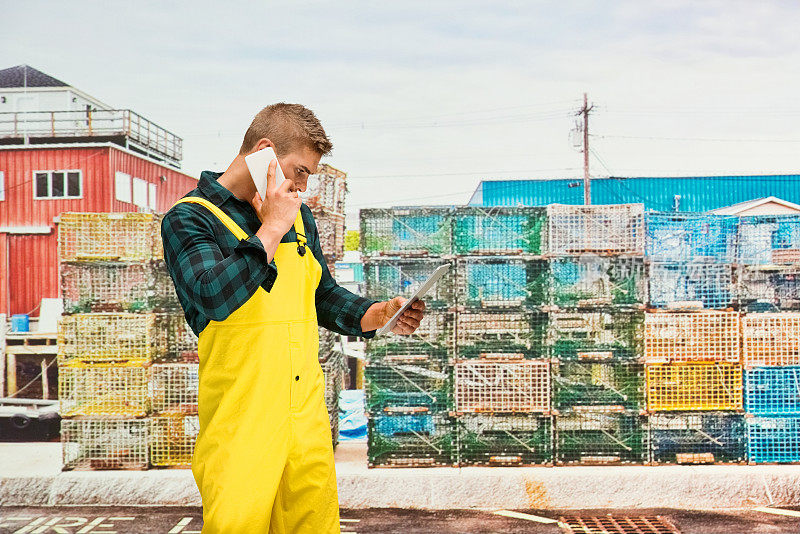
{"x": 434, "y": 340}
{"x": 609, "y": 386}
{"x": 501, "y": 282}
{"x": 588, "y": 281}
{"x": 393, "y": 387}
{"x": 499, "y": 230}
{"x": 504, "y": 334}
{"x": 504, "y": 440}
{"x": 596, "y": 335}
{"x": 417, "y": 231}
{"x": 412, "y": 439}
{"x": 387, "y": 278}
{"x": 601, "y": 438}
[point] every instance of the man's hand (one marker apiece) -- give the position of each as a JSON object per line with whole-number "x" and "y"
{"x": 277, "y": 212}
{"x": 379, "y": 314}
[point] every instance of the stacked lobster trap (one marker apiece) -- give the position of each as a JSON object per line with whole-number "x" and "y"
{"x": 127, "y": 359}
{"x": 596, "y": 304}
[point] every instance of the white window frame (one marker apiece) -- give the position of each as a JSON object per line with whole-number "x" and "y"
{"x": 152, "y": 198}
{"x": 142, "y": 197}
{"x": 2, "y": 186}
{"x": 50, "y": 184}
{"x": 120, "y": 177}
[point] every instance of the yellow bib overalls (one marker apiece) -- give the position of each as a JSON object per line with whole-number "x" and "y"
{"x": 263, "y": 460}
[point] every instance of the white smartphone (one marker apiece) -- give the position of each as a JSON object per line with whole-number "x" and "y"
{"x": 418, "y": 294}
{"x": 258, "y": 164}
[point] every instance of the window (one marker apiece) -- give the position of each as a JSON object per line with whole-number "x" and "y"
{"x": 140, "y": 192}
{"x": 2, "y": 185}
{"x": 122, "y": 186}
{"x": 151, "y": 196}
{"x": 58, "y": 184}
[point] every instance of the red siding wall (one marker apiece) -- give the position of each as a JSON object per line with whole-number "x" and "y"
{"x": 29, "y": 263}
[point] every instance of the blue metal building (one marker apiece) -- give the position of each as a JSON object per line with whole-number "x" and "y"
{"x": 691, "y": 193}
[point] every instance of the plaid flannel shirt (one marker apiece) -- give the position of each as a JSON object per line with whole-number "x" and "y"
{"x": 214, "y": 272}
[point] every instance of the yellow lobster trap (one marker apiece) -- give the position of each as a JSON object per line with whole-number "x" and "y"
{"x": 109, "y": 236}
{"x": 694, "y": 386}
{"x": 97, "y": 337}
{"x": 172, "y": 439}
{"x": 97, "y": 389}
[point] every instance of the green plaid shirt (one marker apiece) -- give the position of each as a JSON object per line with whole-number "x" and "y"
{"x": 214, "y": 272}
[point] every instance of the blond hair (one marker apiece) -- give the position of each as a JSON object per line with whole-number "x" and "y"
{"x": 288, "y": 126}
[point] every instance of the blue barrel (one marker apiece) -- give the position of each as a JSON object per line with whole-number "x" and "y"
{"x": 20, "y": 322}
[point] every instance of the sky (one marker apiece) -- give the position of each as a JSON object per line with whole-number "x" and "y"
{"x": 422, "y": 100}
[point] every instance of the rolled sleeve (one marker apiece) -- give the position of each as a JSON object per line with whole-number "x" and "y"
{"x": 266, "y": 272}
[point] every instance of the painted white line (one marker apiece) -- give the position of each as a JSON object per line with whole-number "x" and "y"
{"x": 528, "y": 517}
{"x": 342, "y": 520}
{"x": 777, "y": 511}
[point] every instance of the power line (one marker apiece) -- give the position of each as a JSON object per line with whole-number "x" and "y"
{"x": 722, "y": 139}
{"x": 491, "y": 172}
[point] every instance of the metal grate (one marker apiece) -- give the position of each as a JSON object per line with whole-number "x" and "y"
{"x": 617, "y": 524}
{"x": 596, "y": 335}
{"x": 701, "y": 336}
{"x": 694, "y": 386}
{"x": 499, "y": 230}
{"x": 410, "y": 231}
{"x": 771, "y": 339}
{"x": 501, "y": 334}
{"x": 609, "y": 229}
{"x": 772, "y": 287}
{"x": 589, "y": 281}
{"x": 711, "y": 285}
{"x": 501, "y": 282}
{"x": 387, "y": 278}
{"x": 107, "y": 236}
{"x": 679, "y": 237}
{"x": 766, "y": 240}
{"x": 502, "y": 387}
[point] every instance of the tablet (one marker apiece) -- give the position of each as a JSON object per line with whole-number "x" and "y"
{"x": 418, "y": 294}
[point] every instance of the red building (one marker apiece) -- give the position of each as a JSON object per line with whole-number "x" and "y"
{"x": 77, "y": 155}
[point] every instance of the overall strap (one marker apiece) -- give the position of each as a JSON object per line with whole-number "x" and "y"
{"x": 300, "y": 229}
{"x": 221, "y": 215}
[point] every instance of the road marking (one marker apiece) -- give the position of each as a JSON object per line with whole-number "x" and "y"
{"x": 528, "y": 517}
{"x": 342, "y": 520}
{"x": 777, "y": 511}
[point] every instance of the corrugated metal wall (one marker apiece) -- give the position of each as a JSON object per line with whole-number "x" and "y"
{"x": 29, "y": 262}
{"x": 698, "y": 193}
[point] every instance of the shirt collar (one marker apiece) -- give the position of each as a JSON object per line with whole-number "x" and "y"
{"x": 212, "y": 189}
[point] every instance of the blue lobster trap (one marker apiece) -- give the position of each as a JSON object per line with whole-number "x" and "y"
{"x": 501, "y": 282}
{"x": 503, "y": 230}
{"x": 773, "y": 390}
{"x": 773, "y": 439}
{"x": 593, "y": 281}
{"x": 677, "y": 237}
{"x": 711, "y": 284}
{"x": 411, "y": 440}
{"x": 690, "y": 438}
{"x": 769, "y": 240}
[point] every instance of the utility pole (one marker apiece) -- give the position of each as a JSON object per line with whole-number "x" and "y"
{"x": 587, "y": 183}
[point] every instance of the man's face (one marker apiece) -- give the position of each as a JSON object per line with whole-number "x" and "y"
{"x": 298, "y": 165}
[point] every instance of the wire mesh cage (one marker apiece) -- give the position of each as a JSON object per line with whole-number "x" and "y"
{"x": 501, "y": 282}
{"x": 330, "y": 227}
{"x": 596, "y": 335}
{"x": 709, "y": 285}
{"x": 104, "y": 389}
{"x": 773, "y": 390}
{"x": 434, "y": 339}
{"x": 600, "y": 438}
{"x": 172, "y": 439}
{"x": 107, "y": 236}
{"x": 694, "y": 386}
{"x": 773, "y": 439}
{"x": 498, "y": 440}
{"x": 98, "y": 443}
{"x": 503, "y": 334}
{"x": 411, "y": 440}
{"x": 393, "y": 387}
{"x": 608, "y": 386}
{"x": 177, "y": 338}
{"x": 327, "y": 342}
{"x": 694, "y": 438}
{"x": 771, "y": 339}
{"x": 326, "y": 190}
{"x": 774, "y": 287}
{"x": 104, "y": 286}
{"x": 499, "y": 230}
{"x": 95, "y": 337}
{"x": 594, "y": 281}
{"x": 769, "y": 239}
{"x": 502, "y": 386}
{"x": 173, "y": 388}
{"x": 334, "y": 372}
{"x": 387, "y": 278}
{"x": 677, "y": 237}
{"x": 406, "y": 231}
{"x": 600, "y": 229}
{"x": 692, "y": 336}
{"x": 158, "y": 244}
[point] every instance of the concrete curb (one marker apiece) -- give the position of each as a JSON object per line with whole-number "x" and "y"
{"x": 541, "y": 488}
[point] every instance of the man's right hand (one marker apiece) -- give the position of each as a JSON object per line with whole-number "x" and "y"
{"x": 277, "y": 212}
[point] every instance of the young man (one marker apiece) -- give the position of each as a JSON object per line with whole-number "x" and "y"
{"x": 253, "y": 283}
